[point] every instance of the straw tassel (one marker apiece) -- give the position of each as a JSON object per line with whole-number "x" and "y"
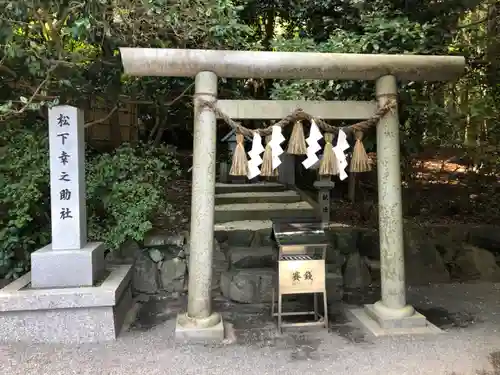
{"x": 266, "y": 169}
{"x": 297, "y": 144}
{"x": 239, "y": 166}
{"x": 360, "y": 161}
{"x": 328, "y": 165}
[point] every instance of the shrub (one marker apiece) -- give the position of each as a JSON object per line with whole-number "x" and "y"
{"x": 125, "y": 191}
{"x": 24, "y": 196}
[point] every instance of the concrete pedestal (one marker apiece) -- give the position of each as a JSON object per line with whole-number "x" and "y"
{"x": 66, "y": 315}
{"x": 384, "y": 325}
{"x": 67, "y": 268}
{"x": 201, "y": 331}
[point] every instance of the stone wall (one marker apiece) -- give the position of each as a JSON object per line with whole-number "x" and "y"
{"x": 244, "y": 260}
{"x": 433, "y": 254}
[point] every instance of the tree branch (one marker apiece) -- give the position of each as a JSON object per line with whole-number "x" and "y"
{"x": 101, "y": 120}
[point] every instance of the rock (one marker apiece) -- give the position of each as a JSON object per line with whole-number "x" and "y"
{"x": 346, "y": 240}
{"x": 334, "y": 258}
{"x": 157, "y": 238}
{"x": 369, "y": 245}
{"x": 448, "y": 240}
{"x": 126, "y": 254}
{"x": 248, "y": 286}
{"x": 248, "y": 257}
{"x": 356, "y": 272}
{"x": 265, "y": 237}
{"x": 423, "y": 262}
{"x": 240, "y": 237}
{"x": 155, "y": 255}
{"x": 221, "y": 236}
{"x": 172, "y": 273}
{"x": 474, "y": 263}
{"x": 487, "y": 238}
{"x": 220, "y": 264}
{"x": 334, "y": 286}
{"x": 145, "y": 275}
{"x": 129, "y": 250}
{"x": 374, "y": 267}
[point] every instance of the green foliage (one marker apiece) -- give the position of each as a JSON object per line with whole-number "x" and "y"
{"x": 24, "y": 209}
{"x": 125, "y": 191}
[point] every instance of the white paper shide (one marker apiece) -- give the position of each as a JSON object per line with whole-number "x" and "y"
{"x": 255, "y": 158}
{"x": 339, "y": 150}
{"x": 276, "y": 140}
{"x": 312, "y": 146}
{"x": 67, "y": 178}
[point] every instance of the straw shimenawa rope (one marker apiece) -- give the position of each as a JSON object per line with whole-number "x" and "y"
{"x": 266, "y": 169}
{"x": 328, "y": 165}
{"x": 298, "y": 115}
{"x": 239, "y": 166}
{"x": 360, "y": 161}
{"x": 297, "y": 143}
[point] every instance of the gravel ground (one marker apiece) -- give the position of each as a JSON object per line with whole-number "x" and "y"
{"x": 468, "y": 314}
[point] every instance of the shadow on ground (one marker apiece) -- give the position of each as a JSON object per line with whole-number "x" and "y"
{"x": 253, "y": 325}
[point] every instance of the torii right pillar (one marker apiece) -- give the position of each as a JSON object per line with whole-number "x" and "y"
{"x": 391, "y": 314}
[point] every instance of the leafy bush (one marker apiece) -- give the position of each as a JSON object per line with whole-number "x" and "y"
{"x": 24, "y": 197}
{"x": 125, "y": 190}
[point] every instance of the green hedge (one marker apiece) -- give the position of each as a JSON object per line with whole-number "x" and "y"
{"x": 125, "y": 191}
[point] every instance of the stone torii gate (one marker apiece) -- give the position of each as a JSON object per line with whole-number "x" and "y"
{"x": 391, "y": 313}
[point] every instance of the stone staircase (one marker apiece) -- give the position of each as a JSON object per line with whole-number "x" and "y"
{"x": 243, "y": 214}
{"x": 261, "y": 201}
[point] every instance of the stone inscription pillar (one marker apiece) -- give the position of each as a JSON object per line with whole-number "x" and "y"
{"x": 393, "y": 302}
{"x": 69, "y": 261}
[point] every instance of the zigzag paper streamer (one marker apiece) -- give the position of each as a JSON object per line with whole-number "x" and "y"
{"x": 255, "y": 158}
{"x": 312, "y": 146}
{"x": 276, "y": 140}
{"x": 339, "y": 150}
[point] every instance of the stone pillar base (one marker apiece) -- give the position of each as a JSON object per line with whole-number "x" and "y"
{"x": 209, "y": 330}
{"x": 67, "y": 268}
{"x": 66, "y": 315}
{"x": 387, "y": 318}
{"x": 399, "y": 323}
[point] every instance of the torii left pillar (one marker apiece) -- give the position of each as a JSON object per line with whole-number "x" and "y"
{"x": 200, "y": 323}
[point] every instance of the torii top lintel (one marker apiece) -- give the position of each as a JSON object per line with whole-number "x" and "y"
{"x": 289, "y": 65}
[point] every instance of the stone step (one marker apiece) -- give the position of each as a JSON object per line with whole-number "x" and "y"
{"x": 287, "y": 196}
{"x": 222, "y": 188}
{"x": 262, "y": 211}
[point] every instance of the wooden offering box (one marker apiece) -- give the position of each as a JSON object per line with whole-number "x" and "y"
{"x": 301, "y": 266}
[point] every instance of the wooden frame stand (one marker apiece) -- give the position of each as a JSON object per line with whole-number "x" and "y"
{"x": 300, "y": 277}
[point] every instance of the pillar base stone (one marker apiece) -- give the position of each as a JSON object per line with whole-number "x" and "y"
{"x": 207, "y": 330}
{"x": 66, "y": 315}
{"x": 67, "y": 268}
{"x": 388, "y": 322}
